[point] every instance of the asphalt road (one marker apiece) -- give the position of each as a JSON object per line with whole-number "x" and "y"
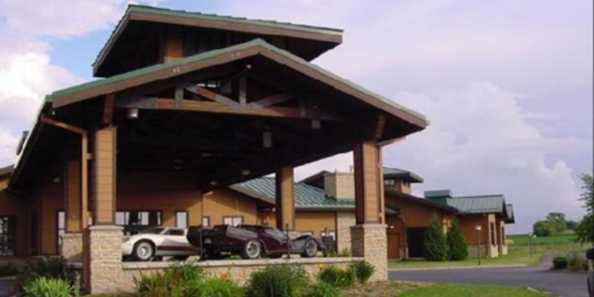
{"x": 560, "y": 284}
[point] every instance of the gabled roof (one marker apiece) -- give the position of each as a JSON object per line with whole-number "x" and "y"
{"x": 306, "y": 197}
{"x": 149, "y": 14}
{"x": 223, "y": 56}
{"x": 416, "y": 200}
{"x": 402, "y": 174}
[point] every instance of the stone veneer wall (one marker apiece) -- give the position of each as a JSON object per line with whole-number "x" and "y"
{"x": 344, "y": 222}
{"x": 238, "y": 271}
{"x": 71, "y": 248}
{"x": 340, "y": 185}
{"x": 370, "y": 242}
{"x": 102, "y": 266}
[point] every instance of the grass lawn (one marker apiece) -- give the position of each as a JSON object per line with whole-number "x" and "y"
{"x": 448, "y": 290}
{"x": 519, "y": 253}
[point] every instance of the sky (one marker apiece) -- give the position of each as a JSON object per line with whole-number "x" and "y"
{"x": 506, "y": 85}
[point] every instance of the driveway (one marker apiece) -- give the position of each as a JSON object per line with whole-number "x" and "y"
{"x": 560, "y": 284}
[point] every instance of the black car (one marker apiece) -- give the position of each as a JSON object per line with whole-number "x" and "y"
{"x": 251, "y": 242}
{"x": 590, "y": 257}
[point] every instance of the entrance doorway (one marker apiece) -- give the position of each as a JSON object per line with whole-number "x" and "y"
{"x": 416, "y": 239}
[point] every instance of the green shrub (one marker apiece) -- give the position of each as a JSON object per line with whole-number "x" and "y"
{"x": 435, "y": 245}
{"x": 560, "y": 263}
{"x": 457, "y": 247}
{"x": 9, "y": 269}
{"x": 47, "y": 287}
{"x": 577, "y": 262}
{"x": 48, "y": 267}
{"x": 277, "y": 281}
{"x": 176, "y": 281}
{"x": 214, "y": 287}
{"x": 337, "y": 277}
{"x": 362, "y": 270}
{"x": 322, "y": 289}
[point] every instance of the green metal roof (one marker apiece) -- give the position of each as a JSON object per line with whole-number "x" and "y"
{"x": 401, "y": 173}
{"x": 306, "y": 196}
{"x": 478, "y": 204}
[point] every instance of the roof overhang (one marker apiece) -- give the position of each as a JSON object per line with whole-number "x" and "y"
{"x": 417, "y": 200}
{"x": 325, "y": 38}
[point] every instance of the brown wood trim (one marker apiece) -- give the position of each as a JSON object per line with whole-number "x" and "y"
{"x": 46, "y": 120}
{"x": 237, "y": 26}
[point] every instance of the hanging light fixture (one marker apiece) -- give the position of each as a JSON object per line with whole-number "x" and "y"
{"x": 132, "y": 113}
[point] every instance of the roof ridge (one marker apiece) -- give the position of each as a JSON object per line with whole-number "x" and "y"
{"x": 479, "y": 196}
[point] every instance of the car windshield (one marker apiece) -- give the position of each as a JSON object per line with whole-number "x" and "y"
{"x": 152, "y": 231}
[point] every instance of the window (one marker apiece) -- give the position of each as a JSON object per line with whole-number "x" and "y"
{"x": 7, "y": 236}
{"x": 175, "y": 232}
{"x": 137, "y": 220}
{"x": 389, "y": 182}
{"x": 181, "y": 219}
{"x": 206, "y": 221}
{"x": 61, "y": 227}
{"x": 233, "y": 221}
{"x": 330, "y": 234}
{"x": 329, "y": 239}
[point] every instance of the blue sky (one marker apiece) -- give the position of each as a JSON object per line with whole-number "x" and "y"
{"x": 507, "y": 85}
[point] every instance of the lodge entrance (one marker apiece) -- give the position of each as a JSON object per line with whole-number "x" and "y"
{"x": 416, "y": 240}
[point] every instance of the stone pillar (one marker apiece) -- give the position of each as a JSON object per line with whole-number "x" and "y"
{"x": 102, "y": 269}
{"x": 102, "y": 261}
{"x": 369, "y": 238}
{"x": 344, "y": 222}
{"x": 285, "y": 203}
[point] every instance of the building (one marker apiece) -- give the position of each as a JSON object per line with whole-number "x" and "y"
{"x": 185, "y": 105}
{"x": 482, "y": 220}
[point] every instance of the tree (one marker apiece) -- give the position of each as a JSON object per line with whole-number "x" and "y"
{"x": 557, "y": 222}
{"x": 542, "y": 229}
{"x": 457, "y": 247}
{"x": 435, "y": 247}
{"x": 585, "y": 230}
{"x": 572, "y": 225}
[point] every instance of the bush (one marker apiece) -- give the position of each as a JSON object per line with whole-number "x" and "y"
{"x": 277, "y": 281}
{"x": 577, "y": 262}
{"x": 177, "y": 281}
{"x": 322, "y": 289}
{"x": 337, "y": 277}
{"x": 457, "y": 247}
{"x": 559, "y": 263}
{"x": 48, "y": 267}
{"x": 8, "y": 269}
{"x": 435, "y": 246}
{"x": 47, "y": 287}
{"x": 214, "y": 287}
{"x": 362, "y": 270}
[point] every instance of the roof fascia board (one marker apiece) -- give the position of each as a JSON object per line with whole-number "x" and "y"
{"x": 138, "y": 13}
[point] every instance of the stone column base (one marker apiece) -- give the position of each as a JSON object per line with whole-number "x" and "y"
{"x": 72, "y": 246}
{"x": 102, "y": 266}
{"x": 370, "y": 242}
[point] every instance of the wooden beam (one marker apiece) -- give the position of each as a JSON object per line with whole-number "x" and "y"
{"x": 379, "y": 126}
{"x": 206, "y": 93}
{"x": 65, "y": 126}
{"x": 108, "y": 109}
{"x": 220, "y": 108}
{"x": 270, "y": 100}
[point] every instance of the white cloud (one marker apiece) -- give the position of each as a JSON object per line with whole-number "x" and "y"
{"x": 8, "y": 145}
{"x": 62, "y": 18}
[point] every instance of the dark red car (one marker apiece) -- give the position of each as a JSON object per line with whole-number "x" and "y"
{"x": 251, "y": 242}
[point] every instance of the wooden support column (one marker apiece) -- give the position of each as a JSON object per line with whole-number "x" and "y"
{"x": 104, "y": 172}
{"x": 285, "y": 202}
{"x": 368, "y": 183}
{"x": 73, "y": 196}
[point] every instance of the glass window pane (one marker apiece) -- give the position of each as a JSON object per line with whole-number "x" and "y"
{"x": 206, "y": 221}
{"x": 181, "y": 219}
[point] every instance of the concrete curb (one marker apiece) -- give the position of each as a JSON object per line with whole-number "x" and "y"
{"x": 458, "y": 267}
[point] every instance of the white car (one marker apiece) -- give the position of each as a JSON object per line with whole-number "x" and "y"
{"x": 158, "y": 242}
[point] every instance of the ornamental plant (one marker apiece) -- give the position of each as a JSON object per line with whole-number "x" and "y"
{"x": 435, "y": 246}
{"x": 457, "y": 247}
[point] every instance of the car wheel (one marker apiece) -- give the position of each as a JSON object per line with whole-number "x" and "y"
{"x": 310, "y": 249}
{"x": 144, "y": 251}
{"x": 251, "y": 250}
